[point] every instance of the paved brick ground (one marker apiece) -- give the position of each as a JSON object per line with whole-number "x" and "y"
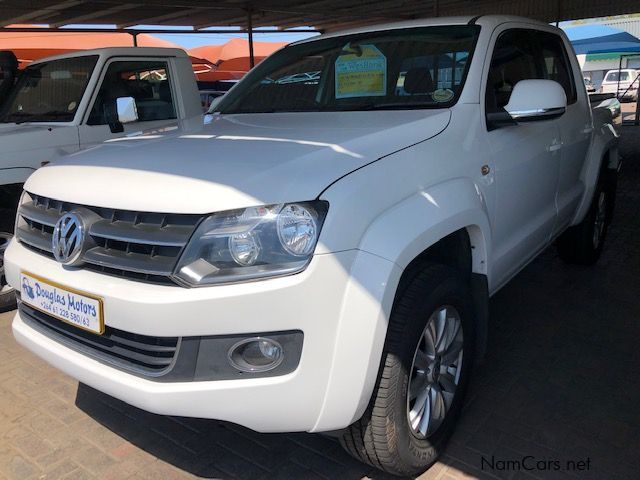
{"x": 560, "y": 382}
{"x": 628, "y": 111}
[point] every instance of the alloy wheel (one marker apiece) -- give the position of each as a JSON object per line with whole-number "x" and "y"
{"x": 435, "y": 371}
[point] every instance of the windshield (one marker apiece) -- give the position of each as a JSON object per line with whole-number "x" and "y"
{"x": 408, "y": 68}
{"x": 49, "y": 91}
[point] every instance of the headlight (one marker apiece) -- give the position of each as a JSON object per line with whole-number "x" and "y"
{"x": 252, "y": 243}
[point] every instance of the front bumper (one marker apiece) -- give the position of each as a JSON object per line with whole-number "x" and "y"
{"x": 340, "y": 302}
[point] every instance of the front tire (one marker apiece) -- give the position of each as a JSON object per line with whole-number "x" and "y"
{"x": 426, "y": 363}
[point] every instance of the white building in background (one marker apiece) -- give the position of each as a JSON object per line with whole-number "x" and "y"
{"x": 628, "y": 24}
{"x": 596, "y": 65}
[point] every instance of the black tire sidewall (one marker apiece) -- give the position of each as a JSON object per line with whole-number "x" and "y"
{"x": 7, "y": 221}
{"x": 576, "y": 244}
{"x": 412, "y": 450}
{"x": 593, "y": 253}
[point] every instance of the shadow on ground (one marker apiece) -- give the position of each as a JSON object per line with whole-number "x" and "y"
{"x": 209, "y": 448}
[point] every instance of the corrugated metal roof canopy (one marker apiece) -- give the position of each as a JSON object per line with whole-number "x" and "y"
{"x": 321, "y": 14}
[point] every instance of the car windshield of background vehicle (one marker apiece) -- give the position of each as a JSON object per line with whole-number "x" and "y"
{"x": 397, "y": 69}
{"x": 49, "y": 91}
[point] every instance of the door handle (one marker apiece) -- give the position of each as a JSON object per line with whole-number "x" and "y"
{"x": 554, "y": 147}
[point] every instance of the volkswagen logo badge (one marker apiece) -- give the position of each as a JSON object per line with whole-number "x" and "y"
{"x": 68, "y": 238}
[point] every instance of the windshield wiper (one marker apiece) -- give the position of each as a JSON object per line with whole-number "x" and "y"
{"x": 395, "y": 106}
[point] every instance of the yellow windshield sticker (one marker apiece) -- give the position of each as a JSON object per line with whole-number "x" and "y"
{"x": 361, "y": 71}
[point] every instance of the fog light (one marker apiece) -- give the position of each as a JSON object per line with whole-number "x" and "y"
{"x": 256, "y": 354}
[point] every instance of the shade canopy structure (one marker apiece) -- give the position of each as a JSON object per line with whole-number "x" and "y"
{"x": 592, "y": 39}
{"x": 320, "y": 14}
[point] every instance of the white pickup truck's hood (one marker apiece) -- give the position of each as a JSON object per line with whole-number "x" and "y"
{"x": 236, "y": 161}
{"x": 31, "y": 136}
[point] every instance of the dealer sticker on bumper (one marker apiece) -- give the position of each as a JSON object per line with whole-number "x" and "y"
{"x": 71, "y": 306}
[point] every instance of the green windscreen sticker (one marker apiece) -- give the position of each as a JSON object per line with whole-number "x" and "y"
{"x": 361, "y": 71}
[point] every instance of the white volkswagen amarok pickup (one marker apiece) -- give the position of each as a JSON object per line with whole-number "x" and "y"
{"x": 319, "y": 257}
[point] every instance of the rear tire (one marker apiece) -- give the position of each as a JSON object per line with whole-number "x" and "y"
{"x": 391, "y": 435}
{"x": 582, "y": 244}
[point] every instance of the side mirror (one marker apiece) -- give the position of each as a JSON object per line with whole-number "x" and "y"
{"x": 127, "y": 110}
{"x": 536, "y": 100}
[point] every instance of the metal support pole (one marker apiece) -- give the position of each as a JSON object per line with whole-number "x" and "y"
{"x": 436, "y": 8}
{"x": 135, "y": 39}
{"x": 252, "y": 60}
{"x": 618, "y": 84}
{"x": 636, "y": 121}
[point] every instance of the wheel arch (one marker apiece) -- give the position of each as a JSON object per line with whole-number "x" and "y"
{"x": 603, "y": 157}
{"x": 445, "y": 212}
{"x": 465, "y": 251}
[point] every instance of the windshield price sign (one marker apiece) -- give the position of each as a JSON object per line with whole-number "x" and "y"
{"x": 361, "y": 71}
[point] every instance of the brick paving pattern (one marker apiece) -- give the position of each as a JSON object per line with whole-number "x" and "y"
{"x": 560, "y": 383}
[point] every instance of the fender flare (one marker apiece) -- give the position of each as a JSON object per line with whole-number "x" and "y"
{"x": 604, "y": 142}
{"x": 428, "y": 216}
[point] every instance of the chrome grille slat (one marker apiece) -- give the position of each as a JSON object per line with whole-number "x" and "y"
{"x": 142, "y": 246}
{"x": 39, "y": 215}
{"x": 35, "y": 237}
{"x": 169, "y": 236}
{"x": 132, "y": 262}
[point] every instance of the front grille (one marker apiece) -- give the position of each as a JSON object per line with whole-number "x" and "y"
{"x": 137, "y": 245}
{"x": 140, "y": 354}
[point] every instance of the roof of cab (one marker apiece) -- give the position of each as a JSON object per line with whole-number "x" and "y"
{"x": 119, "y": 52}
{"x": 489, "y": 21}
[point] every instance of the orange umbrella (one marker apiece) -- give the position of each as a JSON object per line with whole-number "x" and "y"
{"x": 234, "y": 54}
